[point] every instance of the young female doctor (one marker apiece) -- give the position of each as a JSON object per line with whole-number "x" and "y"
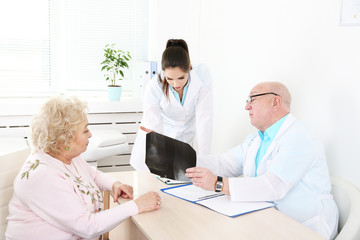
{"x": 177, "y": 103}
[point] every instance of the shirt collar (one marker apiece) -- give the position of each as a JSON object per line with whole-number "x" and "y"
{"x": 176, "y": 95}
{"x": 271, "y": 131}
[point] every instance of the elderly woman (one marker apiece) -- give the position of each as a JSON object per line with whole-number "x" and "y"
{"x": 57, "y": 195}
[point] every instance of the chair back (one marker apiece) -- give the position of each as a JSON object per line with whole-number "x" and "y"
{"x": 10, "y": 165}
{"x": 347, "y": 198}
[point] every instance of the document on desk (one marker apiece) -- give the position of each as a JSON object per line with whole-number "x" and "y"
{"x": 169, "y": 181}
{"x": 217, "y": 202}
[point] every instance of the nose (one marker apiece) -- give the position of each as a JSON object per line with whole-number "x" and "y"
{"x": 176, "y": 83}
{"x": 247, "y": 106}
{"x": 89, "y": 135}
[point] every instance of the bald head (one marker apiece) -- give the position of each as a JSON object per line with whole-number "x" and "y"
{"x": 269, "y": 102}
{"x": 278, "y": 88}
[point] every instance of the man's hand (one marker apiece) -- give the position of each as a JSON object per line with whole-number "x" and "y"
{"x": 202, "y": 177}
{"x": 122, "y": 190}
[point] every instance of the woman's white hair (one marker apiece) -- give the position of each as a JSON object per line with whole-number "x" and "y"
{"x": 54, "y": 126}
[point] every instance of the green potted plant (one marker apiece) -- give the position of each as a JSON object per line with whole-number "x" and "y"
{"x": 114, "y": 63}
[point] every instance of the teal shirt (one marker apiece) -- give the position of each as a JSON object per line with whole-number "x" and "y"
{"x": 176, "y": 95}
{"x": 266, "y": 139}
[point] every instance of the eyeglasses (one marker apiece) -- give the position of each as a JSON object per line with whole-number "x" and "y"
{"x": 250, "y": 98}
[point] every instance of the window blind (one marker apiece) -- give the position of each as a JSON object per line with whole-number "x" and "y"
{"x": 51, "y": 46}
{"x": 89, "y": 26}
{"x": 24, "y": 47}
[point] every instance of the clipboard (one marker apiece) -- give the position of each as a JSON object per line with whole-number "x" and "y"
{"x": 168, "y": 157}
{"x": 217, "y": 202}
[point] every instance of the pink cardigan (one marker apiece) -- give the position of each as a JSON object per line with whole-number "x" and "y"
{"x": 52, "y": 201}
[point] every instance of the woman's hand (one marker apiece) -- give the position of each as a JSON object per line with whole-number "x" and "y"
{"x": 145, "y": 129}
{"x": 122, "y": 190}
{"x": 202, "y": 177}
{"x": 148, "y": 202}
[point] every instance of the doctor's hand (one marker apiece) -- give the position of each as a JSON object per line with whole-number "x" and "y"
{"x": 202, "y": 177}
{"x": 122, "y": 190}
{"x": 145, "y": 129}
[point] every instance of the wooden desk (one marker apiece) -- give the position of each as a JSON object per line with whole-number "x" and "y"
{"x": 179, "y": 219}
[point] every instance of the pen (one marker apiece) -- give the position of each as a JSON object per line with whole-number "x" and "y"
{"x": 212, "y": 195}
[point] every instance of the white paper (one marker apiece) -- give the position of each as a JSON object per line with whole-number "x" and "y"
{"x": 224, "y": 205}
{"x": 169, "y": 181}
{"x": 191, "y": 193}
{"x": 350, "y": 12}
{"x": 216, "y": 201}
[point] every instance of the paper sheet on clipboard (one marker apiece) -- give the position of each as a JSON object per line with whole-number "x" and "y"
{"x": 217, "y": 202}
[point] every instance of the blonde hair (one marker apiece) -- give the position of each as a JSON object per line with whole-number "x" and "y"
{"x": 55, "y": 125}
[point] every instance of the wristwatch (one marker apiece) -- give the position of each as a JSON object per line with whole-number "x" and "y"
{"x": 219, "y": 184}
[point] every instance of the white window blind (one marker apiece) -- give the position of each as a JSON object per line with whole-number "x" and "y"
{"x": 24, "y": 47}
{"x": 89, "y": 26}
{"x": 51, "y": 46}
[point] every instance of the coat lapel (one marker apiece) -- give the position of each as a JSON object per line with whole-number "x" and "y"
{"x": 249, "y": 164}
{"x": 287, "y": 123}
{"x": 194, "y": 87}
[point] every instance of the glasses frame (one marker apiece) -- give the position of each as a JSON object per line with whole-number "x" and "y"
{"x": 250, "y": 100}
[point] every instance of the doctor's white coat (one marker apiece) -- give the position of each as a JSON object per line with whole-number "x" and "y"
{"x": 182, "y": 122}
{"x": 293, "y": 173}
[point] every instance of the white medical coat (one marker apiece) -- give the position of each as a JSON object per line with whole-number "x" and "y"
{"x": 293, "y": 174}
{"x": 182, "y": 122}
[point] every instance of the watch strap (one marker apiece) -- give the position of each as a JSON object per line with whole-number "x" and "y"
{"x": 219, "y": 184}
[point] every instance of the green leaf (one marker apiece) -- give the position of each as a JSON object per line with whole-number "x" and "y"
{"x": 36, "y": 165}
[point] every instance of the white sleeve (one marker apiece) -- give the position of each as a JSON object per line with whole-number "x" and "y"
{"x": 288, "y": 167}
{"x": 152, "y": 119}
{"x": 229, "y": 164}
{"x": 267, "y": 187}
{"x": 152, "y": 116}
{"x": 53, "y": 199}
{"x": 204, "y": 111}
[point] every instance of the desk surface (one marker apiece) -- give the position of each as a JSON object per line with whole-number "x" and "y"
{"x": 179, "y": 219}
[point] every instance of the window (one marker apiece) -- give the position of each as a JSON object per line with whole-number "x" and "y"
{"x": 52, "y": 46}
{"x": 24, "y": 47}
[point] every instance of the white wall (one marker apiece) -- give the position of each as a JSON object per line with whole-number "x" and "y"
{"x": 299, "y": 43}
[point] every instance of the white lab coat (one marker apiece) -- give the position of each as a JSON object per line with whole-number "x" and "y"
{"x": 293, "y": 174}
{"x": 182, "y": 122}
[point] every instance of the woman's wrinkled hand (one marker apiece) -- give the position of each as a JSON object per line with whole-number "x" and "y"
{"x": 148, "y": 202}
{"x": 122, "y": 190}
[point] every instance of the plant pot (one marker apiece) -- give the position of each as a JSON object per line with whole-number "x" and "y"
{"x": 114, "y": 92}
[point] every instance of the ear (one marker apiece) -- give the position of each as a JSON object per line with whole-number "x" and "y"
{"x": 276, "y": 103}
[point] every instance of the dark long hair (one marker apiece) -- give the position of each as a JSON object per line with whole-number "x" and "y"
{"x": 176, "y": 54}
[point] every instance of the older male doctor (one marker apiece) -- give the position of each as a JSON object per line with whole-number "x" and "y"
{"x": 283, "y": 162}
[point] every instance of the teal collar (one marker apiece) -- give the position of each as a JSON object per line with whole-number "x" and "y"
{"x": 271, "y": 132}
{"x": 176, "y": 95}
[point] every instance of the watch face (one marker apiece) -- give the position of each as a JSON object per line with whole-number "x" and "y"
{"x": 219, "y": 185}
